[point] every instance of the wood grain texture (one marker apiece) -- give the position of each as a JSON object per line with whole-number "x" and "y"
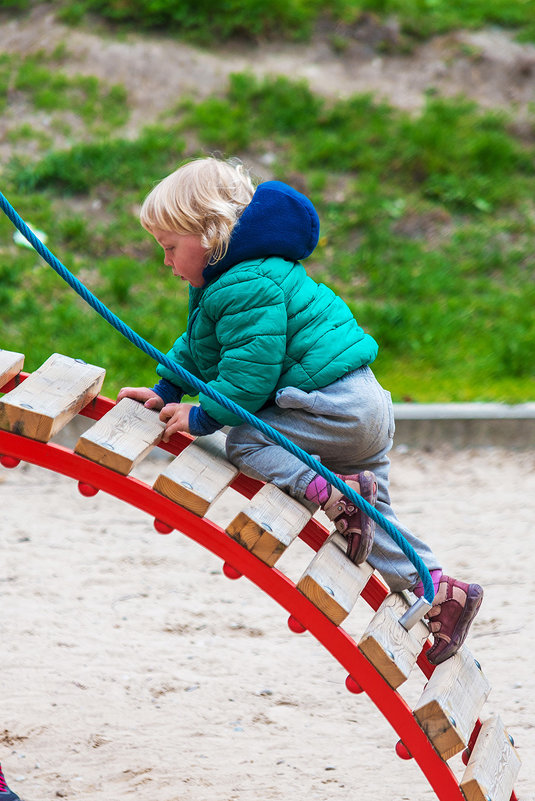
{"x": 269, "y": 523}
{"x": 390, "y": 648}
{"x": 332, "y": 582}
{"x": 451, "y": 702}
{"x": 493, "y": 765}
{"x": 11, "y": 363}
{"x": 50, "y": 397}
{"x": 122, "y": 437}
{"x": 198, "y": 475}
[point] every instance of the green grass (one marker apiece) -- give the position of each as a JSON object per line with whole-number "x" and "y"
{"x": 119, "y": 163}
{"x": 206, "y": 21}
{"x": 51, "y": 90}
{"x": 428, "y": 225}
{"x": 39, "y": 82}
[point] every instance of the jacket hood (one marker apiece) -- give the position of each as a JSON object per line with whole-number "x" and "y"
{"x": 279, "y": 221}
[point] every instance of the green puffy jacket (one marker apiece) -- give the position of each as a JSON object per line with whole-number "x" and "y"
{"x": 263, "y": 325}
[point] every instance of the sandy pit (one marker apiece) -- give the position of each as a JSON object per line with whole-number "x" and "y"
{"x": 135, "y": 669}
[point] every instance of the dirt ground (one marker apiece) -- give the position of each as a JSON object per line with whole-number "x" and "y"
{"x": 134, "y": 669}
{"x": 488, "y": 67}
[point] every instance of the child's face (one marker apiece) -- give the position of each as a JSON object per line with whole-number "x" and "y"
{"x": 184, "y": 253}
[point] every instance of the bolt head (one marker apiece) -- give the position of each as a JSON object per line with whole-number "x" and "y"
{"x": 295, "y": 626}
{"x": 88, "y": 490}
{"x": 161, "y": 527}
{"x": 231, "y": 572}
{"x": 353, "y": 686}
{"x": 402, "y": 751}
{"x": 9, "y": 461}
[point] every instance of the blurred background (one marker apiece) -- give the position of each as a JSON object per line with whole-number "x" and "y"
{"x": 409, "y": 123}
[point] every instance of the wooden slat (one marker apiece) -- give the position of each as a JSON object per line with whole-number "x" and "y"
{"x": 388, "y": 646}
{"x": 50, "y": 397}
{"x": 198, "y": 475}
{"x": 122, "y": 437}
{"x": 493, "y": 766}
{"x": 269, "y": 523}
{"x": 332, "y": 582}
{"x": 11, "y": 364}
{"x": 451, "y": 701}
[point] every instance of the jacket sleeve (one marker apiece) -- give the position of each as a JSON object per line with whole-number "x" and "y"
{"x": 181, "y": 354}
{"x": 250, "y": 323}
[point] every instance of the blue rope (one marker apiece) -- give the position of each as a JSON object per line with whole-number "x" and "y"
{"x": 200, "y": 386}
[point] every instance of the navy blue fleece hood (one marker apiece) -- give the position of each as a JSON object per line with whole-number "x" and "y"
{"x": 279, "y": 221}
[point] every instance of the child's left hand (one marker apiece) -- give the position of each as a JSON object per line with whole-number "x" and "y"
{"x": 176, "y": 417}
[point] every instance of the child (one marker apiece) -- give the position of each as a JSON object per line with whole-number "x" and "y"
{"x": 287, "y": 349}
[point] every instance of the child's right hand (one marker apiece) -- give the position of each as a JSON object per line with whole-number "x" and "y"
{"x": 144, "y": 395}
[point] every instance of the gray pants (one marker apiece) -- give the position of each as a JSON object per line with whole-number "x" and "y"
{"x": 349, "y": 427}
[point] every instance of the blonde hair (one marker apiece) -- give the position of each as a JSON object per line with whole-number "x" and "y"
{"x": 203, "y": 197}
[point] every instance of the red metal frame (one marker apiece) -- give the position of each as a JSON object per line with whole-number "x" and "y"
{"x": 238, "y": 561}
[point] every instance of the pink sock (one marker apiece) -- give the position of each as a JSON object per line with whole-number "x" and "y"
{"x": 318, "y": 490}
{"x": 436, "y": 575}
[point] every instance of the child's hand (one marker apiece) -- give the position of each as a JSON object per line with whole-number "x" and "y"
{"x": 176, "y": 415}
{"x": 142, "y": 394}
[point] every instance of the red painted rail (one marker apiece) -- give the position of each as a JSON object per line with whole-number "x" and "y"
{"x": 237, "y": 561}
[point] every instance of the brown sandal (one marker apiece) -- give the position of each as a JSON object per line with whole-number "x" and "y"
{"x": 455, "y": 606}
{"x": 349, "y": 520}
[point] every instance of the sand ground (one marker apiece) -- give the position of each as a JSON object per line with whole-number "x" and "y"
{"x": 134, "y": 669}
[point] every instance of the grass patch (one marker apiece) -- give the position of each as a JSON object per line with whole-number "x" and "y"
{"x": 118, "y": 163}
{"x": 63, "y": 100}
{"x": 206, "y": 21}
{"x": 53, "y": 90}
{"x": 427, "y": 232}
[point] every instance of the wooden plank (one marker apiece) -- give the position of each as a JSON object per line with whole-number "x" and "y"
{"x": 388, "y": 646}
{"x": 451, "y": 701}
{"x": 122, "y": 437}
{"x": 493, "y": 765}
{"x": 50, "y": 397}
{"x": 269, "y": 523}
{"x": 198, "y": 475}
{"x": 11, "y": 364}
{"x": 332, "y": 582}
